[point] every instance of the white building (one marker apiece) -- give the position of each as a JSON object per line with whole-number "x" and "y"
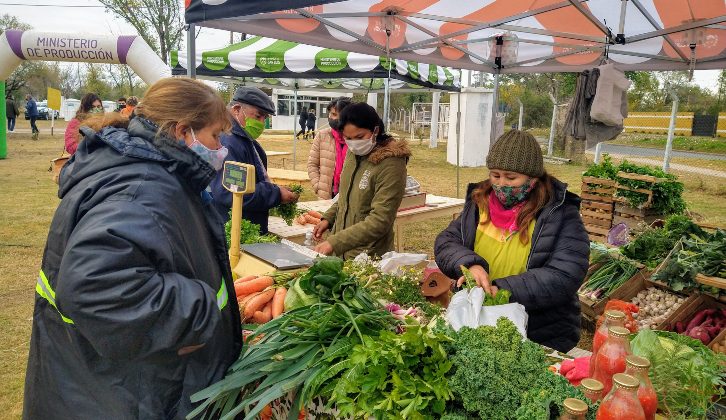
{"x": 287, "y": 114}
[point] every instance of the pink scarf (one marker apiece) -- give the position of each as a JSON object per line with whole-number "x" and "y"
{"x": 340, "y": 150}
{"x": 501, "y": 217}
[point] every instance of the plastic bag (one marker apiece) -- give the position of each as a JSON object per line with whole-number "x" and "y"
{"x": 467, "y": 309}
{"x": 391, "y": 262}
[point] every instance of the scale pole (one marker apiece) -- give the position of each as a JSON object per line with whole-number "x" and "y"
{"x": 234, "y": 252}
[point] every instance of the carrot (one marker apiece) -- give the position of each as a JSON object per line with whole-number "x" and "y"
{"x": 315, "y": 214}
{"x": 258, "y": 302}
{"x": 245, "y": 278}
{"x": 265, "y": 315}
{"x": 257, "y": 285}
{"x": 300, "y": 220}
{"x": 310, "y": 219}
{"x": 242, "y": 300}
{"x": 278, "y": 302}
{"x": 266, "y": 413}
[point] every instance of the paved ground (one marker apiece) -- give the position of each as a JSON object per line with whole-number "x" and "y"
{"x": 618, "y": 149}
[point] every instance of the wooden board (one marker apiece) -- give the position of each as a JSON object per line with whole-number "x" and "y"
{"x": 640, "y": 177}
{"x": 717, "y": 282}
{"x": 597, "y": 238}
{"x": 598, "y": 181}
{"x": 597, "y": 229}
{"x": 587, "y": 196}
{"x": 596, "y": 214}
{"x": 595, "y": 205}
{"x": 603, "y": 223}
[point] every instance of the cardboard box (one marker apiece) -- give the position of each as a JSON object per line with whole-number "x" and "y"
{"x": 412, "y": 201}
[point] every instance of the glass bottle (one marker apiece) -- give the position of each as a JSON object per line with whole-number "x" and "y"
{"x": 637, "y": 367}
{"x": 574, "y": 409}
{"x": 622, "y": 402}
{"x": 592, "y": 389}
{"x": 610, "y": 358}
{"x": 613, "y": 318}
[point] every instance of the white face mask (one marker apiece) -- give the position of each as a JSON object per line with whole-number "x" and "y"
{"x": 361, "y": 147}
{"x": 214, "y": 157}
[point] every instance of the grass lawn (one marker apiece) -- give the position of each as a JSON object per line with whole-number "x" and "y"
{"x": 29, "y": 199}
{"x": 688, "y": 144}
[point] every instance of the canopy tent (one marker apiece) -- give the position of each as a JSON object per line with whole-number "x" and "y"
{"x": 496, "y": 36}
{"x": 267, "y": 59}
{"x": 492, "y": 35}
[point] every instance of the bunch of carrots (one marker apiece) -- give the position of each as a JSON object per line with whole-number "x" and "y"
{"x": 310, "y": 217}
{"x": 258, "y": 298}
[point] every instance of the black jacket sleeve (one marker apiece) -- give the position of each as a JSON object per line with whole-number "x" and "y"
{"x": 451, "y": 252}
{"x": 114, "y": 287}
{"x": 557, "y": 281}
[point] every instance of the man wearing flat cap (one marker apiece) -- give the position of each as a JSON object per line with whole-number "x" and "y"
{"x": 248, "y": 110}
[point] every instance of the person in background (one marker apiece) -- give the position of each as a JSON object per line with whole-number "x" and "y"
{"x": 311, "y": 123}
{"x": 302, "y": 120}
{"x": 120, "y": 104}
{"x": 131, "y": 103}
{"x": 371, "y": 188}
{"x": 11, "y": 112}
{"x": 31, "y": 108}
{"x": 135, "y": 309}
{"x": 521, "y": 230}
{"x": 327, "y": 153}
{"x": 90, "y": 104}
{"x": 248, "y": 109}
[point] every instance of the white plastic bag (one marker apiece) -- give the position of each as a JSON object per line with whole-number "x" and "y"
{"x": 391, "y": 262}
{"x": 467, "y": 310}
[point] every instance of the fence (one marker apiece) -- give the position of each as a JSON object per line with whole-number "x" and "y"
{"x": 420, "y": 120}
{"x": 658, "y": 122}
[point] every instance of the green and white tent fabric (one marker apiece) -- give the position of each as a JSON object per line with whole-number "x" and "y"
{"x": 266, "y": 58}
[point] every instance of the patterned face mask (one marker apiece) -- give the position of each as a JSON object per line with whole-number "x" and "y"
{"x": 511, "y": 196}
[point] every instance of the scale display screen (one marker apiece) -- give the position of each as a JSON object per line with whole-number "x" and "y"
{"x": 238, "y": 177}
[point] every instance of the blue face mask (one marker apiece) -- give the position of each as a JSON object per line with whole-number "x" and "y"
{"x": 213, "y": 157}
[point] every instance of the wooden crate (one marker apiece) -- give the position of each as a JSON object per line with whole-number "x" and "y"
{"x": 698, "y": 302}
{"x": 633, "y": 217}
{"x": 596, "y": 208}
{"x": 648, "y": 192}
{"x": 717, "y": 282}
{"x": 593, "y": 309}
{"x": 598, "y": 189}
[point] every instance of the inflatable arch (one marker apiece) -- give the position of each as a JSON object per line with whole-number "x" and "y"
{"x": 16, "y": 46}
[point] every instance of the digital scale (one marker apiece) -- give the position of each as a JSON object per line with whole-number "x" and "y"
{"x": 239, "y": 179}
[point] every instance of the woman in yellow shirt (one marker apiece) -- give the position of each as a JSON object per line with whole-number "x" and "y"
{"x": 521, "y": 230}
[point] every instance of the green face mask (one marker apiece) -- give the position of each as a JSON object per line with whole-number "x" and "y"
{"x": 253, "y": 127}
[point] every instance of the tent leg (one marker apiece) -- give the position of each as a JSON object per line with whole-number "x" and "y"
{"x": 458, "y": 143}
{"x": 191, "y": 52}
{"x": 387, "y": 102}
{"x": 598, "y": 152}
{"x": 671, "y": 131}
{"x": 3, "y": 123}
{"x": 434, "y": 132}
{"x": 294, "y": 137}
{"x": 495, "y": 103}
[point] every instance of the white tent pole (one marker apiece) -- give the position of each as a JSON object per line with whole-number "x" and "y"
{"x": 191, "y": 52}
{"x": 387, "y": 85}
{"x": 434, "y": 132}
{"x": 458, "y": 142}
{"x": 294, "y": 128}
{"x": 521, "y": 114}
{"x": 671, "y": 131}
{"x": 621, "y": 26}
{"x": 495, "y": 103}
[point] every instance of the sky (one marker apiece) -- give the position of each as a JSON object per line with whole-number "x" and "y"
{"x": 91, "y": 17}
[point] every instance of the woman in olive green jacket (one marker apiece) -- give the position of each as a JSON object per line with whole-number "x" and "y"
{"x": 371, "y": 188}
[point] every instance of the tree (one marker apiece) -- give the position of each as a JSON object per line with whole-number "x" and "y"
{"x": 96, "y": 82}
{"x": 158, "y": 22}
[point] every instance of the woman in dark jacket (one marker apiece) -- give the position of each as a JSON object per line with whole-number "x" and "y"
{"x": 521, "y": 230}
{"x": 132, "y": 310}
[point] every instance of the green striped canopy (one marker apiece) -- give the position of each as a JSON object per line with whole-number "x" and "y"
{"x": 266, "y": 59}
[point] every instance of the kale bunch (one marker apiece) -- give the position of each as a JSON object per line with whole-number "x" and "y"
{"x": 501, "y": 376}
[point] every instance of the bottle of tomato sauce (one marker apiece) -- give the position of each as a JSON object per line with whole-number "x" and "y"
{"x": 574, "y": 409}
{"x": 637, "y": 367}
{"x": 622, "y": 402}
{"x": 610, "y": 358}
{"x": 613, "y": 318}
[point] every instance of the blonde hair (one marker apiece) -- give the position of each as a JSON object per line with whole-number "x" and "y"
{"x": 173, "y": 101}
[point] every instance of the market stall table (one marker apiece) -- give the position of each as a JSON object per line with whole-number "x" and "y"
{"x": 436, "y": 206}
{"x": 287, "y": 176}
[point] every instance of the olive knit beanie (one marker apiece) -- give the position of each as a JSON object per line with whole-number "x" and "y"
{"x": 517, "y": 151}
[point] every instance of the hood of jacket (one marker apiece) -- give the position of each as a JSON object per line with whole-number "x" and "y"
{"x": 113, "y": 146}
{"x": 394, "y": 148}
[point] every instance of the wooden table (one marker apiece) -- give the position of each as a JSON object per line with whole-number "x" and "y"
{"x": 287, "y": 176}
{"x": 435, "y": 207}
{"x": 273, "y": 153}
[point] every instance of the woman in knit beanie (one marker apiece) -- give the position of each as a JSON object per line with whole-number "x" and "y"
{"x": 521, "y": 230}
